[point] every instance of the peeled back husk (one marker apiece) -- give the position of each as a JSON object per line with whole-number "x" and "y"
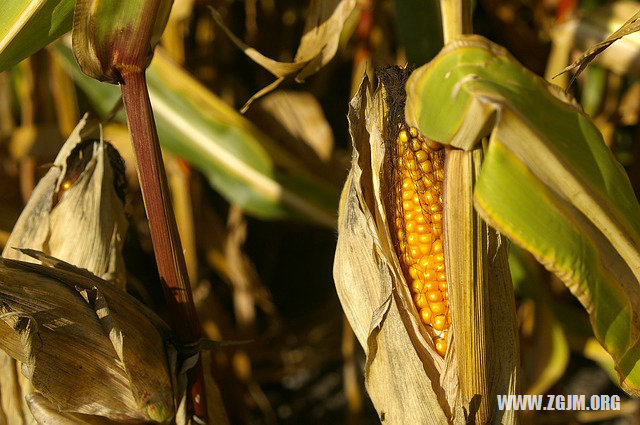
{"x": 408, "y": 381}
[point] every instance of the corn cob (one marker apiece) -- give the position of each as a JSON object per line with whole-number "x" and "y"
{"x": 418, "y": 185}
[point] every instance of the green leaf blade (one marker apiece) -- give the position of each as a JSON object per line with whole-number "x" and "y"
{"x": 27, "y": 26}
{"x": 239, "y": 161}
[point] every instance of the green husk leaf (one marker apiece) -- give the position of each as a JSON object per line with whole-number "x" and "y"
{"x": 548, "y": 181}
{"x": 112, "y": 38}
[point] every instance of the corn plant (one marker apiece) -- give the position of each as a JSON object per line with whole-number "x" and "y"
{"x": 522, "y": 162}
{"x": 462, "y": 170}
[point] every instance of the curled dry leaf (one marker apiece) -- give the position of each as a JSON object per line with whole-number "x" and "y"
{"x": 590, "y": 28}
{"x": 318, "y": 45}
{"x": 86, "y": 346}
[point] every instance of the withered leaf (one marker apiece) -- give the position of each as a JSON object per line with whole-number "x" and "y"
{"x": 86, "y": 346}
{"x": 325, "y": 19}
{"x": 632, "y": 25}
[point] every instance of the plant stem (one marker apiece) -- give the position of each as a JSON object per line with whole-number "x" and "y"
{"x": 456, "y": 18}
{"x": 162, "y": 224}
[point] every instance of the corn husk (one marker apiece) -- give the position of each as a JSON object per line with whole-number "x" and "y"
{"x": 138, "y": 366}
{"x": 112, "y": 38}
{"x": 407, "y": 380}
{"x": 367, "y": 276}
{"x": 85, "y": 345}
{"x": 84, "y": 225}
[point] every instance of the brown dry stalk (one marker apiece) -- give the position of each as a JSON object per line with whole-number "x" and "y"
{"x": 162, "y": 224}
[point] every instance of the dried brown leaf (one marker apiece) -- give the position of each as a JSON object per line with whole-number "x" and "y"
{"x": 632, "y": 25}
{"x": 319, "y": 43}
{"x": 86, "y": 346}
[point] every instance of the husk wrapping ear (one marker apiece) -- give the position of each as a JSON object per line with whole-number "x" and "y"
{"x": 86, "y": 346}
{"x": 407, "y": 380}
{"x": 83, "y": 224}
{"x": 74, "y": 348}
{"x": 402, "y": 373}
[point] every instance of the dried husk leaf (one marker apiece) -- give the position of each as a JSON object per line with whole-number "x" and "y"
{"x": 481, "y": 297}
{"x": 318, "y": 45}
{"x": 45, "y": 413}
{"x": 402, "y": 372}
{"x": 86, "y": 346}
{"x": 87, "y": 225}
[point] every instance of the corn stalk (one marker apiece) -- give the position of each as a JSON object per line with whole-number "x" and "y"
{"x": 113, "y": 41}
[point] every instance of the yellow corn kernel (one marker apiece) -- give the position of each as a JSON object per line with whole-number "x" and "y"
{"x": 418, "y": 179}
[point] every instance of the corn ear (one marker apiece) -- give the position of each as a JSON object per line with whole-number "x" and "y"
{"x": 453, "y": 368}
{"x": 68, "y": 327}
{"x": 371, "y": 286}
{"x": 76, "y": 212}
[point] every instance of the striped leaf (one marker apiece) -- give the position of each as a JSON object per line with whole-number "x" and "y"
{"x": 28, "y": 25}
{"x": 240, "y": 161}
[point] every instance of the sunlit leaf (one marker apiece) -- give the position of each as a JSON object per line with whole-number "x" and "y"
{"x": 28, "y": 25}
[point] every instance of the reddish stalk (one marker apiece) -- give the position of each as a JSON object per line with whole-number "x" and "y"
{"x": 162, "y": 224}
